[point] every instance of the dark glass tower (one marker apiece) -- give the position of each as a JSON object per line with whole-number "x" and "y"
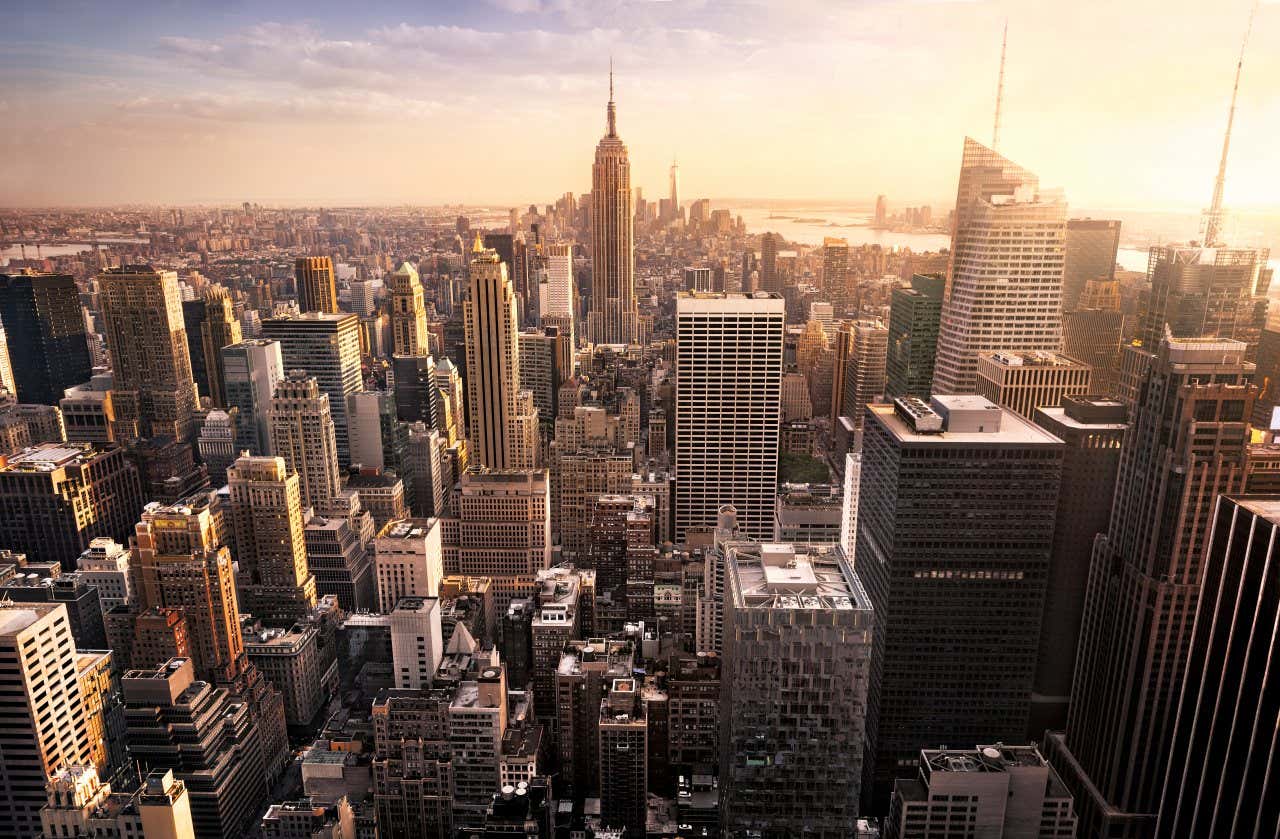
{"x": 914, "y": 314}
{"x": 45, "y": 329}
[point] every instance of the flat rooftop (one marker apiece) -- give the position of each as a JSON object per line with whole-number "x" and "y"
{"x": 770, "y": 575}
{"x": 1014, "y": 430}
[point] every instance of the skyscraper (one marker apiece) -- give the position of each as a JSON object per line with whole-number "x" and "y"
{"x": 956, "y": 508}
{"x": 835, "y": 274}
{"x": 557, "y": 296}
{"x": 502, "y": 420}
{"x": 729, "y": 350}
{"x": 45, "y": 330}
{"x": 1005, "y": 289}
{"x": 797, "y": 634}
{"x": 1186, "y": 445}
{"x": 1222, "y": 775}
{"x": 220, "y": 328}
{"x": 769, "y": 279}
{"x": 864, "y": 371}
{"x": 1024, "y": 381}
{"x": 317, "y": 291}
{"x": 271, "y": 553}
{"x": 40, "y": 698}
{"x": 408, "y": 313}
{"x": 612, "y": 318}
{"x": 250, "y": 372}
{"x": 327, "y": 346}
{"x": 152, "y": 387}
{"x": 303, "y": 433}
{"x": 1090, "y": 254}
{"x": 914, "y": 317}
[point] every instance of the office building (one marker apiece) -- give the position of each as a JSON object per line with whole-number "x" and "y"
{"x": 339, "y": 557}
{"x": 1025, "y": 381}
{"x": 250, "y": 372}
{"x": 545, "y": 358}
{"x": 864, "y": 371}
{"x": 1186, "y": 445}
{"x": 1003, "y": 792}
{"x": 84, "y": 611}
{"x": 500, "y": 527}
{"x": 105, "y": 565}
{"x": 413, "y": 766}
{"x": 271, "y": 554}
{"x": 57, "y": 497}
{"x": 915, "y": 313}
{"x": 956, "y": 509}
{"x": 45, "y": 330}
{"x": 798, "y": 629}
{"x": 562, "y": 605}
{"x": 770, "y": 280}
{"x": 317, "y": 291}
{"x": 1093, "y": 429}
{"x": 624, "y": 759}
{"x": 478, "y": 719}
{"x": 304, "y": 434}
{"x": 310, "y": 819}
{"x": 219, "y": 328}
{"x": 729, "y": 350}
{"x": 1005, "y": 291}
{"x": 327, "y": 347}
{"x": 205, "y": 736}
{"x": 1090, "y": 252}
{"x": 417, "y": 641}
{"x": 408, "y": 312}
{"x": 152, "y": 388}
{"x": 216, "y": 445}
{"x": 1222, "y": 773}
{"x": 585, "y": 673}
{"x": 47, "y": 725}
{"x": 1093, "y": 336}
{"x": 502, "y": 420}
{"x": 408, "y": 561}
{"x": 557, "y": 294}
{"x": 612, "y": 317}
{"x": 295, "y": 661}
{"x": 697, "y": 279}
{"x": 808, "y": 514}
{"x": 836, "y": 278}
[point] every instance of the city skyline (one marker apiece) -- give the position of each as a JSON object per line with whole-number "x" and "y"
{"x": 237, "y": 100}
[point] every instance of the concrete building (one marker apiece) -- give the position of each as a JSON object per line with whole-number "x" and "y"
{"x": 1005, "y": 289}
{"x": 729, "y": 350}
{"x": 408, "y": 559}
{"x": 408, "y": 312}
{"x": 1093, "y": 429}
{"x": 563, "y": 601}
{"x": 803, "y": 607}
{"x": 864, "y": 372}
{"x": 152, "y": 388}
{"x": 304, "y": 433}
{"x": 327, "y": 347}
{"x": 79, "y": 804}
{"x": 624, "y": 759}
{"x": 584, "y": 676}
{"x": 57, "y": 497}
{"x": 41, "y": 697}
{"x": 956, "y": 513}
{"x": 417, "y": 642}
{"x": 1187, "y": 444}
{"x": 413, "y": 768}
{"x": 271, "y": 552}
{"x": 317, "y": 291}
{"x": 1002, "y": 792}
{"x": 1025, "y": 381}
{"x": 340, "y": 558}
{"x": 293, "y": 661}
{"x": 808, "y": 514}
{"x": 1093, "y": 336}
{"x": 478, "y": 719}
{"x": 219, "y": 328}
{"x": 250, "y": 372}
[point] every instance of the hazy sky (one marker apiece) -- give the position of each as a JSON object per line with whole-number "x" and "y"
{"x": 1120, "y": 102}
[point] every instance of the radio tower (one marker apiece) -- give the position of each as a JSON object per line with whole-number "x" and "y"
{"x": 995, "y": 134}
{"x": 1213, "y": 215}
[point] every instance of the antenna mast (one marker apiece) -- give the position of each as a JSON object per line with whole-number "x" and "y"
{"x": 1213, "y": 216}
{"x": 995, "y": 133}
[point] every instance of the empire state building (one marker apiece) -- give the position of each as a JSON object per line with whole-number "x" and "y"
{"x": 612, "y": 318}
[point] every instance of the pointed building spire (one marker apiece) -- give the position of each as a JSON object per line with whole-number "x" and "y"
{"x": 613, "y": 114}
{"x": 1213, "y": 216}
{"x": 995, "y": 133}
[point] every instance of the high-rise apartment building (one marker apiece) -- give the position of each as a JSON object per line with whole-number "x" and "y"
{"x": 220, "y": 328}
{"x": 46, "y": 730}
{"x": 500, "y": 527}
{"x": 914, "y": 316}
{"x": 836, "y": 279}
{"x": 271, "y": 552}
{"x": 105, "y": 566}
{"x": 417, "y": 641}
{"x": 317, "y": 291}
{"x": 205, "y": 736}
{"x": 583, "y": 676}
{"x": 1090, "y": 252}
{"x": 1000, "y": 791}
{"x": 769, "y": 277}
{"x": 408, "y": 561}
{"x": 45, "y": 330}
{"x": 956, "y": 509}
{"x": 303, "y": 433}
{"x": 339, "y": 553}
{"x": 624, "y": 758}
{"x": 1222, "y": 775}
{"x": 57, "y": 497}
{"x": 557, "y": 295}
{"x": 1025, "y": 381}
{"x": 250, "y": 372}
{"x": 1005, "y": 289}
{"x": 413, "y": 767}
{"x": 327, "y": 347}
{"x": 864, "y": 369}
{"x": 546, "y": 363}
{"x": 502, "y": 420}
{"x": 612, "y": 318}
{"x": 798, "y": 629}
{"x": 408, "y": 312}
{"x": 152, "y": 388}
{"x": 1093, "y": 429}
{"x": 729, "y": 351}
{"x": 1186, "y": 445}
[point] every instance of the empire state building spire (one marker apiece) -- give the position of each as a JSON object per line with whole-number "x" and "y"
{"x": 613, "y": 111}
